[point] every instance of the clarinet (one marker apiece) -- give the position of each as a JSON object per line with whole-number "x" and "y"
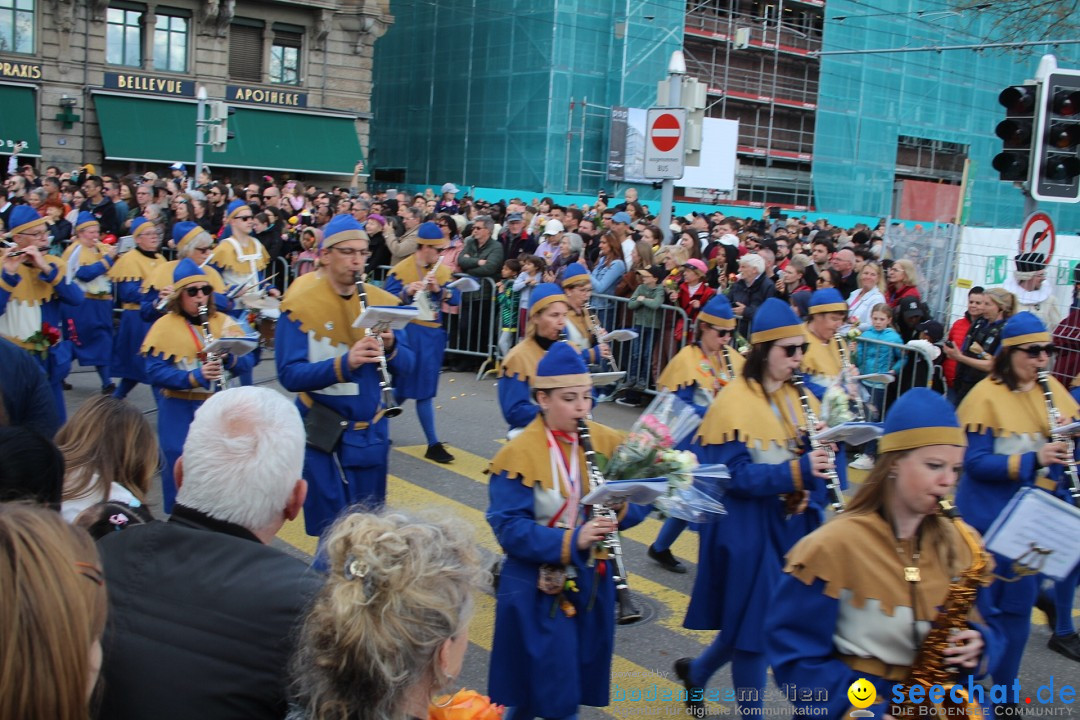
{"x": 594, "y": 328}
{"x": 845, "y": 373}
{"x": 208, "y": 338}
{"x": 386, "y": 388}
{"x": 610, "y": 547}
{"x": 1070, "y": 444}
{"x": 832, "y": 478}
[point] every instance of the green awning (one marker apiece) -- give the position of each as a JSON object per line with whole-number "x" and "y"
{"x": 18, "y": 121}
{"x": 141, "y": 129}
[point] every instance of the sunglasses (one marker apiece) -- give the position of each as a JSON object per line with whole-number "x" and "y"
{"x": 790, "y": 350}
{"x": 244, "y": 217}
{"x": 1035, "y": 351}
{"x": 197, "y": 291}
{"x": 268, "y": 197}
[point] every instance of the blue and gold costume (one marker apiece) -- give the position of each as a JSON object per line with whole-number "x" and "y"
{"x": 184, "y": 234}
{"x": 764, "y": 446}
{"x": 30, "y": 299}
{"x": 551, "y": 652}
{"x": 89, "y": 325}
{"x": 314, "y": 336}
{"x": 823, "y": 360}
{"x": 844, "y": 610}
{"x": 131, "y": 273}
{"x": 1005, "y": 429}
{"x": 174, "y": 366}
{"x": 425, "y": 330}
{"x": 578, "y": 331}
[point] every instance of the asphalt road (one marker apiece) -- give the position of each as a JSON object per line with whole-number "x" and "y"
{"x": 469, "y": 421}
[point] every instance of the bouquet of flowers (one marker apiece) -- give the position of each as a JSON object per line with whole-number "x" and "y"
{"x": 44, "y": 339}
{"x": 649, "y": 452}
{"x": 464, "y": 705}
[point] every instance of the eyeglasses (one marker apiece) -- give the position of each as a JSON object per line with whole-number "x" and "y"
{"x": 349, "y": 252}
{"x": 790, "y": 350}
{"x": 1035, "y": 351}
{"x": 201, "y": 248}
{"x": 197, "y": 291}
{"x": 268, "y": 197}
{"x": 244, "y": 217}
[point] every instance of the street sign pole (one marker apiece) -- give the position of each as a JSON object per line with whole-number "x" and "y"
{"x": 200, "y": 131}
{"x": 676, "y": 70}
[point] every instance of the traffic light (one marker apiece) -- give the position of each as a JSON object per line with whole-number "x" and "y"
{"x": 219, "y": 125}
{"x": 1016, "y": 132}
{"x": 1055, "y": 176}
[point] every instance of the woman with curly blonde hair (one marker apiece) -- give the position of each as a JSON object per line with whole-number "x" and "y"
{"x": 389, "y": 629}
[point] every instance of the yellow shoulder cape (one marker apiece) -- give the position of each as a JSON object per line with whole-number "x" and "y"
{"x": 133, "y": 265}
{"x": 31, "y": 289}
{"x": 858, "y": 553}
{"x": 520, "y": 363}
{"x": 162, "y": 277}
{"x": 690, "y": 366}
{"x": 174, "y": 338}
{"x": 743, "y": 412}
{"x": 302, "y": 282}
{"x": 526, "y": 457}
{"x": 991, "y": 406}
{"x": 322, "y": 311}
{"x": 87, "y": 256}
{"x": 407, "y": 272}
{"x": 225, "y": 256}
{"x": 821, "y": 358}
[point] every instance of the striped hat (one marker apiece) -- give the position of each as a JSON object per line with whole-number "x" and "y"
{"x": 340, "y": 229}
{"x": 85, "y": 220}
{"x": 187, "y": 273}
{"x": 718, "y": 313}
{"x": 140, "y": 225}
{"x": 543, "y": 295}
{"x": 827, "y": 300}
{"x": 184, "y": 233}
{"x": 234, "y": 207}
{"x": 429, "y": 234}
{"x": 23, "y": 218}
{"x": 561, "y": 367}
{"x": 920, "y": 417}
{"x": 775, "y": 320}
{"x": 575, "y": 273}
{"x": 1023, "y": 327}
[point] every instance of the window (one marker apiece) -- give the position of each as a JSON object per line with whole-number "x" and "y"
{"x": 285, "y": 56}
{"x": 245, "y": 51}
{"x": 123, "y": 37}
{"x": 170, "y": 42}
{"x": 17, "y": 26}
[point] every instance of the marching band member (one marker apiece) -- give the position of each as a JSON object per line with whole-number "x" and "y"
{"x": 764, "y": 446}
{"x": 420, "y": 280}
{"x": 90, "y": 323}
{"x": 176, "y": 366}
{"x": 191, "y": 241}
{"x": 861, "y": 593}
{"x": 547, "y": 320}
{"x": 1008, "y": 432}
{"x": 335, "y": 369}
{"x": 577, "y": 287}
{"x": 696, "y": 374}
{"x": 241, "y": 259}
{"x": 823, "y": 360}
{"x": 33, "y": 284}
{"x": 130, "y": 273}
{"x": 554, "y": 612}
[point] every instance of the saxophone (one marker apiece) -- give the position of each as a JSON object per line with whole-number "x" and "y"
{"x": 1067, "y": 440}
{"x": 832, "y": 478}
{"x": 931, "y": 667}
{"x": 610, "y": 548}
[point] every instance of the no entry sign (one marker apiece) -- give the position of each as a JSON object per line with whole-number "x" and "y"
{"x": 665, "y": 131}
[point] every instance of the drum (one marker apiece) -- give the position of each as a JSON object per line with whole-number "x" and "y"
{"x": 260, "y": 302}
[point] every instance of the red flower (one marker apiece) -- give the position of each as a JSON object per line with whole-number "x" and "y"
{"x": 52, "y": 335}
{"x": 109, "y": 239}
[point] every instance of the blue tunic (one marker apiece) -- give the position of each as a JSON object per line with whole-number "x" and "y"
{"x": 127, "y": 363}
{"x": 318, "y": 370}
{"x": 92, "y": 320}
{"x": 544, "y": 662}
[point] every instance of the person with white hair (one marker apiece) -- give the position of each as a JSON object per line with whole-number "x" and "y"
{"x": 750, "y": 290}
{"x": 204, "y": 607}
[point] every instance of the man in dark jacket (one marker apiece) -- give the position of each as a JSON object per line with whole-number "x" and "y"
{"x": 749, "y": 291}
{"x": 201, "y": 608}
{"x": 27, "y": 398}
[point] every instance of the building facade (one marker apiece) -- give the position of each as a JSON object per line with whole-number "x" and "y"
{"x": 114, "y": 83}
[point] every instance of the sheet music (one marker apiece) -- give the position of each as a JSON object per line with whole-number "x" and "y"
{"x": 640, "y": 492}
{"x": 1035, "y": 521}
{"x": 853, "y": 433}
{"x": 235, "y": 346}
{"x": 395, "y": 317}
{"x": 619, "y": 335}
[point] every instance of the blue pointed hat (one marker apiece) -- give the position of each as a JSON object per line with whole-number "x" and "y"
{"x": 140, "y": 225}
{"x": 561, "y": 367}
{"x": 185, "y": 232}
{"x": 234, "y": 207}
{"x": 187, "y": 273}
{"x": 23, "y": 218}
{"x": 575, "y": 273}
{"x": 341, "y": 228}
{"x": 429, "y": 234}
{"x": 775, "y": 320}
{"x": 85, "y": 220}
{"x": 543, "y": 295}
{"x": 718, "y": 313}
{"x": 920, "y": 417}
{"x": 827, "y": 300}
{"x": 1023, "y": 327}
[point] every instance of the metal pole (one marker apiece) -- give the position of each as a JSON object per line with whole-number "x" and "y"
{"x": 667, "y": 189}
{"x": 200, "y": 131}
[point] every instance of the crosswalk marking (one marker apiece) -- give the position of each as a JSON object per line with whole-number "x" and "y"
{"x": 472, "y": 466}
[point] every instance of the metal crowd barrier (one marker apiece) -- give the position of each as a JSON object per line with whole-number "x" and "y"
{"x": 645, "y": 357}
{"x": 917, "y": 371}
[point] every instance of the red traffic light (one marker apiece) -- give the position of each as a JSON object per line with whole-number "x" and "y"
{"x": 1018, "y": 99}
{"x": 1066, "y": 102}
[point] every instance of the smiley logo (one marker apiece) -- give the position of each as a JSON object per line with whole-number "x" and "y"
{"x": 862, "y": 693}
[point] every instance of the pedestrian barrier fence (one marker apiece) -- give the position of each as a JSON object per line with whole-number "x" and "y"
{"x": 917, "y": 365}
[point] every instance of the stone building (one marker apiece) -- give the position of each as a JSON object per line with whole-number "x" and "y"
{"x": 115, "y": 83}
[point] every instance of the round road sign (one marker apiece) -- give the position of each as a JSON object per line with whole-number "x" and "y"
{"x": 665, "y": 132}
